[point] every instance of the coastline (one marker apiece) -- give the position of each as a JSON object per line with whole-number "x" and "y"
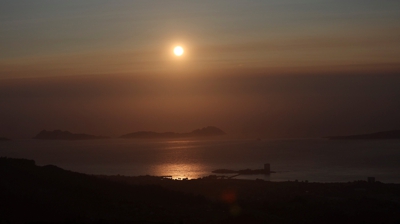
{"x": 313, "y": 160}
{"x": 35, "y": 190}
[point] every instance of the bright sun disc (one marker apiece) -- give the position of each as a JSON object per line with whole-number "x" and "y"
{"x": 178, "y": 51}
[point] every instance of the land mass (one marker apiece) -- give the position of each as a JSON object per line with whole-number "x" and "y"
{"x": 65, "y": 135}
{"x": 4, "y": 139}
{"x": 243, "y": 172}
{"x": 394, "y": 134}
{"x": 209, "y": 131}
{"x": 49, "y": 194}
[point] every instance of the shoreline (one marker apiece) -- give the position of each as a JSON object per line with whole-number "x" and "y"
{"x": 49, "y": 194}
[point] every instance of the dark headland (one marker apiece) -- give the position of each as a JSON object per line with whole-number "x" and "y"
{"x": 65, "y": 135}
{"x": 48, "y": 194}
{"x": 394, "y": 134}
{"x": 209, "y": 131}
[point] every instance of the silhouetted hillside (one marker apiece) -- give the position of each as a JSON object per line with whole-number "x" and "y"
{"x": 203, "y": 132}
{"x": 48, "y": 194}
{"x": 65, "y": 135}
{"x": 395, "y": 134}
{"x": 30, "y": 193}
{"x": 4, "y": 139}
{"x": 258, "y": 201}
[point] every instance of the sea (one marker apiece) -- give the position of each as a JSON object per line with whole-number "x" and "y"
{"x": 313, "y": 160}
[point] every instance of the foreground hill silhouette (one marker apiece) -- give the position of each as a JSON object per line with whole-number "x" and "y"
{"x": 209, "y": 131}
{"x": 48, "y": 194}
{"x": 394, "y": 134}
{"x": 31, "y": 193}
{"x": 65, "y": 135}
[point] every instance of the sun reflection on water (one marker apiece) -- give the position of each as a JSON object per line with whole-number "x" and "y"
{"x": 180, "y": 171}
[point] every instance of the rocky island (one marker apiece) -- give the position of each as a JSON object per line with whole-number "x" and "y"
{"x": 394, "y": 134}
{"x": 65, "y": 135}
{"x": 265, "y": 171}
{"x": 209, "y": 131}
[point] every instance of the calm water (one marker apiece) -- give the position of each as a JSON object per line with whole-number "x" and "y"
{"x": 312, "y": 160}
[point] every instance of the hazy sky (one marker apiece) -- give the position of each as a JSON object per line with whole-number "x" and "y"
{"x": 278, "y": 68}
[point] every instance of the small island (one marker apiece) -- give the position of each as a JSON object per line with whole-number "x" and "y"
{"x": 266, "y": 171}
{"x": 243, "y": 172}
{"x": 209, "y": 131}
{"x": 65, "y": 135}
{"x": 394, "y": 134}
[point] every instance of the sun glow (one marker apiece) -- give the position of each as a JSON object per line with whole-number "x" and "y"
{"x": 178, "y": 51}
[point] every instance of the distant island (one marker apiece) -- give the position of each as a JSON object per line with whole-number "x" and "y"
{"x": 4, "y": 139}
{"x": 243, "y": 172}
{"x": 209, "y": 131}
{"x": 394, "y": 134}
{"x": 65, "y": 135}
{"x": 266, "y": 171}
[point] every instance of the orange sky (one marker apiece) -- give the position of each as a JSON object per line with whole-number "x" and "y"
{"x": 253, "y": 68}
{"x": 44, "y": 38}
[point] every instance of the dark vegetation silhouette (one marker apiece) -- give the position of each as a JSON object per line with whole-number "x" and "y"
{"x": 65, "y": 135}
{"x": 209, "y": 131}
{"x": 48, "y": 194}
{"x": 394, "y": 134}
{"x": 31, "y": 193}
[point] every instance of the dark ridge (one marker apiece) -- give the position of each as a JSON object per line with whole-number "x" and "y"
{"x": 65, "y": 135}
{"x": 394, "y": 134}
{"x": 49, "y": 194}
{"x": 4, "y": 139}
{"x": 209, "y": 131}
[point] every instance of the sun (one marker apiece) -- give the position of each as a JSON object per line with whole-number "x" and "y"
{"x": 178, "y": 51}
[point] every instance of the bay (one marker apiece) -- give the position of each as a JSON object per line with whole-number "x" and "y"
{"x": 314, "y": 160}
